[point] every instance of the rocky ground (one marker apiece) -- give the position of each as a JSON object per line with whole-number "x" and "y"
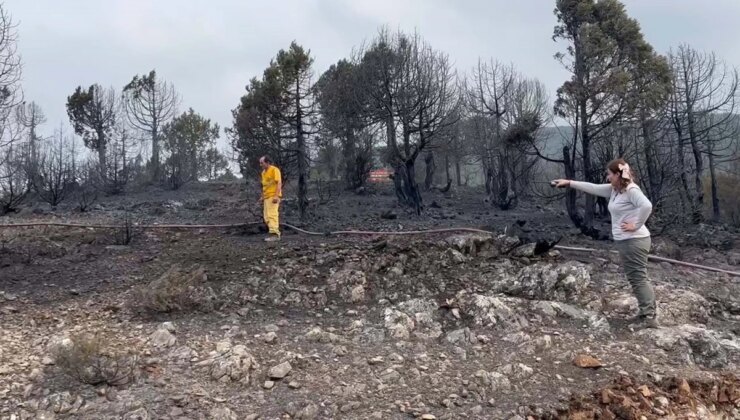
{"x": 216, "y": 324}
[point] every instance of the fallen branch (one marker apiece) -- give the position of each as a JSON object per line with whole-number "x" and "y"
{"x": 687, "y": 264}
{"x": 657, "y": 258}
{"x": 571, "y": 248}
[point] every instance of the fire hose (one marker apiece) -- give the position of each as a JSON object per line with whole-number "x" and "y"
{"x": 343, "y": 232}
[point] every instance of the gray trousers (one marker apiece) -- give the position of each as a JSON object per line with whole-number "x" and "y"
{"x": 634, "y": 253}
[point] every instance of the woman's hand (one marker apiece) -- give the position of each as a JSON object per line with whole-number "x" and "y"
{"x": 560, "y": 183}
{"x": 629, "y": 227}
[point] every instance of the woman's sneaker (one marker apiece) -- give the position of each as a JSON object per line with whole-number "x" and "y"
{"x": 643, "y": 322}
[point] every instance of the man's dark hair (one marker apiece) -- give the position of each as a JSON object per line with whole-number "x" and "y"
{"x": 267, "y": 159}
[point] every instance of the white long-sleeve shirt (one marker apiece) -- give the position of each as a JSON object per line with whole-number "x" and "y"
{"x": 630, "y": 206}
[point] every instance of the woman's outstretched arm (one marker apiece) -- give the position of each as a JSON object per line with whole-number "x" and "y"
{"x": 601, "y": 190}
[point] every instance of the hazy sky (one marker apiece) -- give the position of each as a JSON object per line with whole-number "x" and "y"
{"x": 210, "y": 49}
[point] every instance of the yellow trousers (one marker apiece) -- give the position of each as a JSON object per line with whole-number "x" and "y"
{"x": 271, "y": 214}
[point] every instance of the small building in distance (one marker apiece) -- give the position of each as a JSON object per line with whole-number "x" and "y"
{"x": 381, "y": 175}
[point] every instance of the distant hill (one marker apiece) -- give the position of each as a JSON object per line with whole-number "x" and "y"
{"x": 555, "y": 137}
{"x": 553, "y": 140}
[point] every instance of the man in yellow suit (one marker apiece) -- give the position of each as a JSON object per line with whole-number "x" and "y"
{"x": 272, "y": 192}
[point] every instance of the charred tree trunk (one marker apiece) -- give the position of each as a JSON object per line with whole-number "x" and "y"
{"x": 156, "y": 167}
{"x": 103, "y": 154}
{"x": 489, "y": 180}
{"x": 570, "y": 195}
{"x": 588, "y": 215}
{"x": 603, "y": 206}
{"x": 684, "y": 174}
{"x": 651, "y": 166}
{"x": 698, "y": 195}
{"x": 405, "y": 185}
{"x": 412, "y": 188}
{"x": 399, "y": 181}
{"x": 302, "y": 156}
{"x": 715, "y": 198}
{"x": 698, "y": 213}
{"x": 501, "y": 183}
{"x": 430, "y": 169}
{"x": 351, "y": 170}
{"x": 458, "y": 172}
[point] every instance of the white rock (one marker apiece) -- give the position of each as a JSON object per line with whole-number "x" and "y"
{"x": 398, "y": 324}
{"x": 222, "y": 413}
{"x": 516, "y": 370}
{"x": 280, "y": 371}
{"x": 321, "y": 336}
{"x": 234, "y": 365}
{"x": 140, "y": 414}
{"x": 162, "y": 338}
{"x": 495, "y": 380}
{"x": 350, "y": 284}
{"x": 309, "y": 412}
{"x": 223, "y": 346}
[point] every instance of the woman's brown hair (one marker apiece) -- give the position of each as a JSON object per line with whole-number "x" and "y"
{"x": 613, "y": 166}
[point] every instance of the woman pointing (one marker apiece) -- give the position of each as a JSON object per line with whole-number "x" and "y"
{"x": 629, "y": 209}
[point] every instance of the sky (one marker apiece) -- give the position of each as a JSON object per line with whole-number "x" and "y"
{"x": 210, "y": 49}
